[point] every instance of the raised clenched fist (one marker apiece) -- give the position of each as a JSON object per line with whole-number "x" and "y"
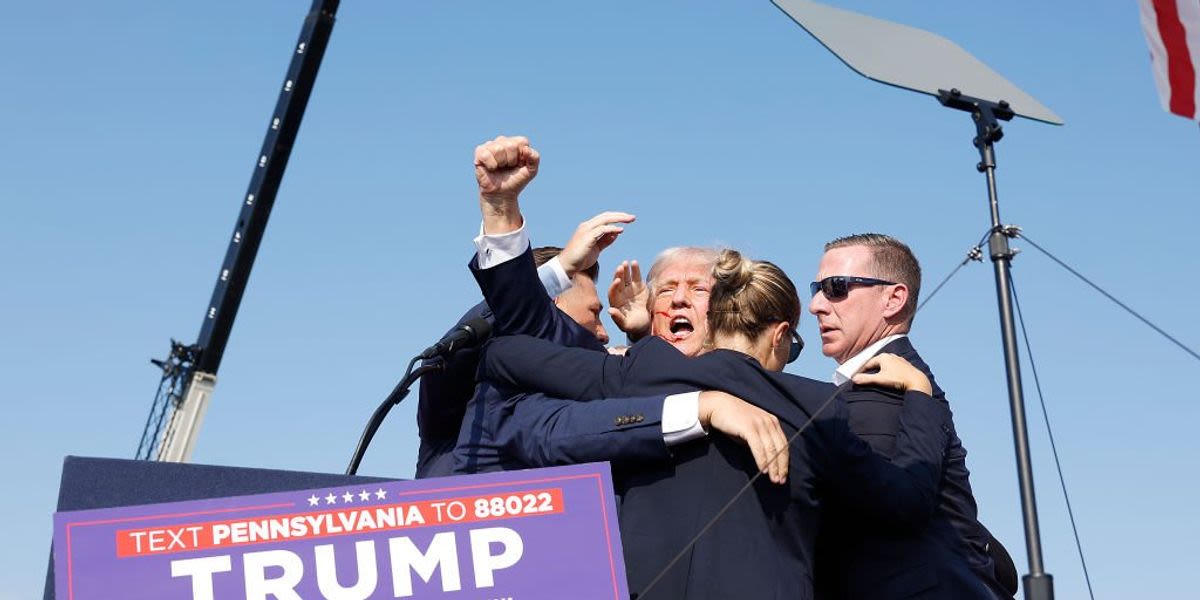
{"x": 504, "y": 166}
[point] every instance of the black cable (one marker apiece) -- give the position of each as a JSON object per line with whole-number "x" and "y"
{"x": 1012, "y": 284}
{"x": 1064, "y": 265}
{"x": 749, "y": 484}
{"x": 398, "y": 393}
{"x": 975, "y": 253}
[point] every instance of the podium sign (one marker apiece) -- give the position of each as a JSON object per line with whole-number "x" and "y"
{"x": 540, "y": 533}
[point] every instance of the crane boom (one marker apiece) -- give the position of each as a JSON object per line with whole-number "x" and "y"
{"x": 190, "y": 372}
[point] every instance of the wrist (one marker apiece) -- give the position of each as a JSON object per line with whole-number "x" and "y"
{"x": 705, "y": 409}
{"x": 501, "y": 213}
{"x": 637, "y": 332}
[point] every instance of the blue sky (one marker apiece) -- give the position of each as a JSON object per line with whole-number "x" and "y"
{"x": 130, "y": 131}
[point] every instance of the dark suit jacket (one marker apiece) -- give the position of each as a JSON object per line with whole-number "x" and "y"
{"x": 442, "y": 402}
{"x": 505, "y": 430}
{"x": 762, "y": 547}
{"x": 948, "y": 559}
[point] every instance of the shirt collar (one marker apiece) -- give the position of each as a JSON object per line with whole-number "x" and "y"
{"x": 847, "y": 369}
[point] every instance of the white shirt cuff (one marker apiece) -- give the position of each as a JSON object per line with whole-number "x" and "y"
{"x": 554, "y": 277}
{"x": 681, "y": 418}
{"x": 498, "y": 249}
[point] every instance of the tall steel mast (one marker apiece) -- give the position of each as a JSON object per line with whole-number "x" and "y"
{"x": 190, "y": 372}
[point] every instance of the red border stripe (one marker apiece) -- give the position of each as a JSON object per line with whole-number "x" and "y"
{"x": 1181, "y": 73}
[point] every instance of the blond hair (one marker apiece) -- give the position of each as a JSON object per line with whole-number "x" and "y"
{"x": 750, "y": 295}
{"x": 703, "y": 256}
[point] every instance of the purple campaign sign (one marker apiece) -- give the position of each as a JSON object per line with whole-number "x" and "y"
{"x": 520, "y": 535}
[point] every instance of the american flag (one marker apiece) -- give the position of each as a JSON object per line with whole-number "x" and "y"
{"x": 1172, "y": 29}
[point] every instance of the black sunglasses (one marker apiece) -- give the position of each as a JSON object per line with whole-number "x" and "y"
{"x": 797, "y": 346}
{"x": 838, "y": 286}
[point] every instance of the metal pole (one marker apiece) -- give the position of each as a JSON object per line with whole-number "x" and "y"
{"x": 1038, "y": 584}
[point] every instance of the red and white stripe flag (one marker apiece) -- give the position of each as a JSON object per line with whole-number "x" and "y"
{"x": 1172, "y": 29}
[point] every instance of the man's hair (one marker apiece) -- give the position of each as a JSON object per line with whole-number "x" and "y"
{"x": 892, "y": 260}
{"x": 706, "y": 256}
{"x": 749, "y": 296}
{"x": 543, "y": 254}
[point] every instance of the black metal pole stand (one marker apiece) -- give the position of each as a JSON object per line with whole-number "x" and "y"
{"x": 1038, "y": 584}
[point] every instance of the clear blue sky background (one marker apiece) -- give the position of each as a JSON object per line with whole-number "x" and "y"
{"x": 130, "y": 130}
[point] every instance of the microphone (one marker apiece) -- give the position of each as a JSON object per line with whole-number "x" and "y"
{"x": 468, "y": 335}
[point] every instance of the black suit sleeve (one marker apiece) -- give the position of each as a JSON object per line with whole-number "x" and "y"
{"x": 520, "y": 305}
{"x": 541, "y": 431}
{"x": 903, "y": 491}
{"x": 522, "y": 362}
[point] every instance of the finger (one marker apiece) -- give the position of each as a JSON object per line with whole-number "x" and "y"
{"x": 605, "y": 218}
{"x": 485, "y": 157}
{"x": 871, "y": 365}
{"x": 611, "y": 216}
{"x": 497, "y": 149}
{"x": 512, "y": 151}
{"x": 864, "y": 378}
{"x": 781, "y": 450}
{"x": 633, "y": 279}
{"x": 607, "y": 229}
{"x": 606, "y": 240}
{"x": 635, "y": 271}
{"x": 762, "y": 448}
{"x": 616, "y": 291}
{"x": 761, "y": 432}
{"x": 532, "y": 159}
{"x": 876, "y": 379}
{"x": 758, "y": 449}
{"x": 622, "y": 273}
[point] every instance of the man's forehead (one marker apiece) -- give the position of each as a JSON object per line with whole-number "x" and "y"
{"x": 846, "y": 260}
{"x": 687, "y": 267}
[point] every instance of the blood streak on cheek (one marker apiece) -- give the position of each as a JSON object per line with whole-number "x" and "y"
{"x": 664, "y": 335}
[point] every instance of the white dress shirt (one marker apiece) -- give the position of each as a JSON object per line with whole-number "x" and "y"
{"x": 846, "y": 370}
{"x": 681, "y": 412}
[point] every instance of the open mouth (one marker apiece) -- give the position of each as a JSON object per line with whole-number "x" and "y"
{"x": 681, "y": 328}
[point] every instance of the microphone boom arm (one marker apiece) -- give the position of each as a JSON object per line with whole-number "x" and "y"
{"x": 398, "y": 393}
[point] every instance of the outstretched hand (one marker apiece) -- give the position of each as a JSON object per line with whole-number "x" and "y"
{"x": 894, "y": 372}
{"x": 757, "y": 428}
{"x": 628, "y": 300}
{"x": 590, "y": 239}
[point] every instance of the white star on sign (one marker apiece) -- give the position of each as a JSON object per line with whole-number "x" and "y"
{"x": 313, "y": 500}
{"x": 348, "y": 497}
{"x": 364, "y": 495}
{"x": 380, "y": 494}
{"x": 330, "y": 499}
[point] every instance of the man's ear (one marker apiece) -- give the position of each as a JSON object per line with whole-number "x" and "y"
{"x": 894, "y": 301}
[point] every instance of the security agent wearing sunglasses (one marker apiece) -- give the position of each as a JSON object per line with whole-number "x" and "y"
{"x": 864, "y": 298}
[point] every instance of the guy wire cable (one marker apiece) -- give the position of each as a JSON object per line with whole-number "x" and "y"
{"x": 1064, "y": 265}
{"x": 747, "y": 486}
{"x": 1050, "y": 433}
{"x": 975, "y": 253}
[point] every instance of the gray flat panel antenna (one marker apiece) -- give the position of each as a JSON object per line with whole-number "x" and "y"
{"x": 909, "y": 58}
